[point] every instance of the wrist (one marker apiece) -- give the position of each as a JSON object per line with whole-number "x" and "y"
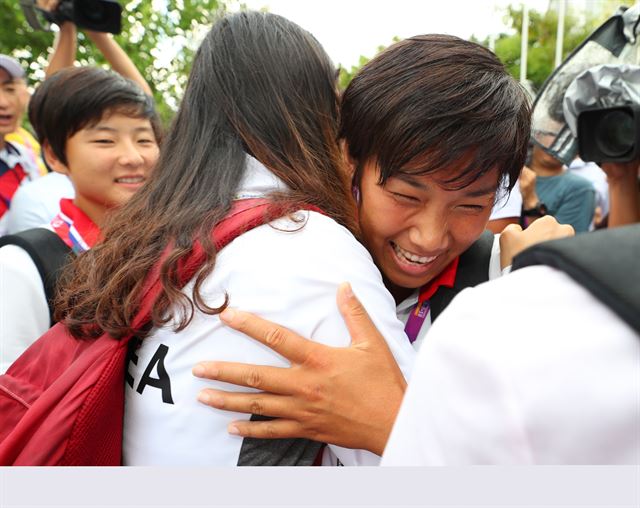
{"x": 538, "y": 209}
{"x": 93, "y": 35}
{"x": 530, "y": 201}
{"x": 625, "y": 181}
{"x": 380, "y": 435}
{"x": 68, "y": 27}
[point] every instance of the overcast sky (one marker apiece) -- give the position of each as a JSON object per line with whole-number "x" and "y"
{"x": 350, "y": 28}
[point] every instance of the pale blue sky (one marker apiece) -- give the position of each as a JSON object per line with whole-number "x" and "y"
{"x": 350, "y": 28}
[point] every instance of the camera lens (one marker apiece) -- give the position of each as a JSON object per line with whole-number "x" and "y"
{"x": 614, "y": 133}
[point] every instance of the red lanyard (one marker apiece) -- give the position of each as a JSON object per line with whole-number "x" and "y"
{"x": 420, "y": 310}
{"x": 75, "y": 229}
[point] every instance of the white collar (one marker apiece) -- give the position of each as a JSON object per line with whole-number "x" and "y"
{"x": 258, "y": 181}
{"x": 408, "y": 302}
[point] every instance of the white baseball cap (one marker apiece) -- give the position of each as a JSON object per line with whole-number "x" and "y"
{"x": 12, "y": 66}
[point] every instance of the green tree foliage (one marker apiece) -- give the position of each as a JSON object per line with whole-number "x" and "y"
{"x": 347, "y": 75}
{"x": 542, "y": 38}
{"x": 160, "y": 36}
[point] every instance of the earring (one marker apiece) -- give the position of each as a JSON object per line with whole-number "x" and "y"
{"x": 355, "y": 191}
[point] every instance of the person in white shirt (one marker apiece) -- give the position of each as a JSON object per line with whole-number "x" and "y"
{"x": 100, "y": 132}
{"x": 38, "y": 202}
{"x": 565, "y": 389}
{"x": 259, "y": 119}
{"x": 17, "y": 165}
{"x": 507, "y": 210}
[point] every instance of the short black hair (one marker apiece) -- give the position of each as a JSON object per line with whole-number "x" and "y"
{"x": 77, "y": 97}
{"x": 430, "y": 101}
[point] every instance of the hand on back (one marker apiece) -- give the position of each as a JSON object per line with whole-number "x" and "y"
{"x": 345, "y": 396}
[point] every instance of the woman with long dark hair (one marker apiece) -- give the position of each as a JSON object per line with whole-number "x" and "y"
{"x": 259, "y": 119}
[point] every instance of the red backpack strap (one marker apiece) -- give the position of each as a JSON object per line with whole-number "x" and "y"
{"x": 245, "y": 215}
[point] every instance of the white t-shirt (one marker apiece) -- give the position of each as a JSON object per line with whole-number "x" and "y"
{"x": 38, "y": 202}
{"x": 24, "y": 313}
{"x": 509, "y": 205}
{"x": 529, "y": 369}
{"x": 285, "y": 273}
{"x": 598, "y": 178}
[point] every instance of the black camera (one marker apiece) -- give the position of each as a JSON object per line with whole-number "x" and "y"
{"x": 97, "y": 15}
{"x": 609, "y": 134}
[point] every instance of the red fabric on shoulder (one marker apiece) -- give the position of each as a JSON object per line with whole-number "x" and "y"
{"x": 10, "y": 180}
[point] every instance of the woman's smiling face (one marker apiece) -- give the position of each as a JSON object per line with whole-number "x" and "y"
{"x": 108, "y": 162}
{"x": 413, "y": 227}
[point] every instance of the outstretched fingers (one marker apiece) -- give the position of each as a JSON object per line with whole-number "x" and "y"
{"x": 260, "y": 377}
{"x": 269, "y": 429}
{"x": 263, "y": 404}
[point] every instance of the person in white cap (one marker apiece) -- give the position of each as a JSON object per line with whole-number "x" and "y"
{"x": 17, "y": 163}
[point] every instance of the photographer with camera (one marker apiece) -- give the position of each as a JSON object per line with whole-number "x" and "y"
{"x": 66, "y": 44}
{"x": 548, "y": 188}
{"x": 602, "y": 109}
